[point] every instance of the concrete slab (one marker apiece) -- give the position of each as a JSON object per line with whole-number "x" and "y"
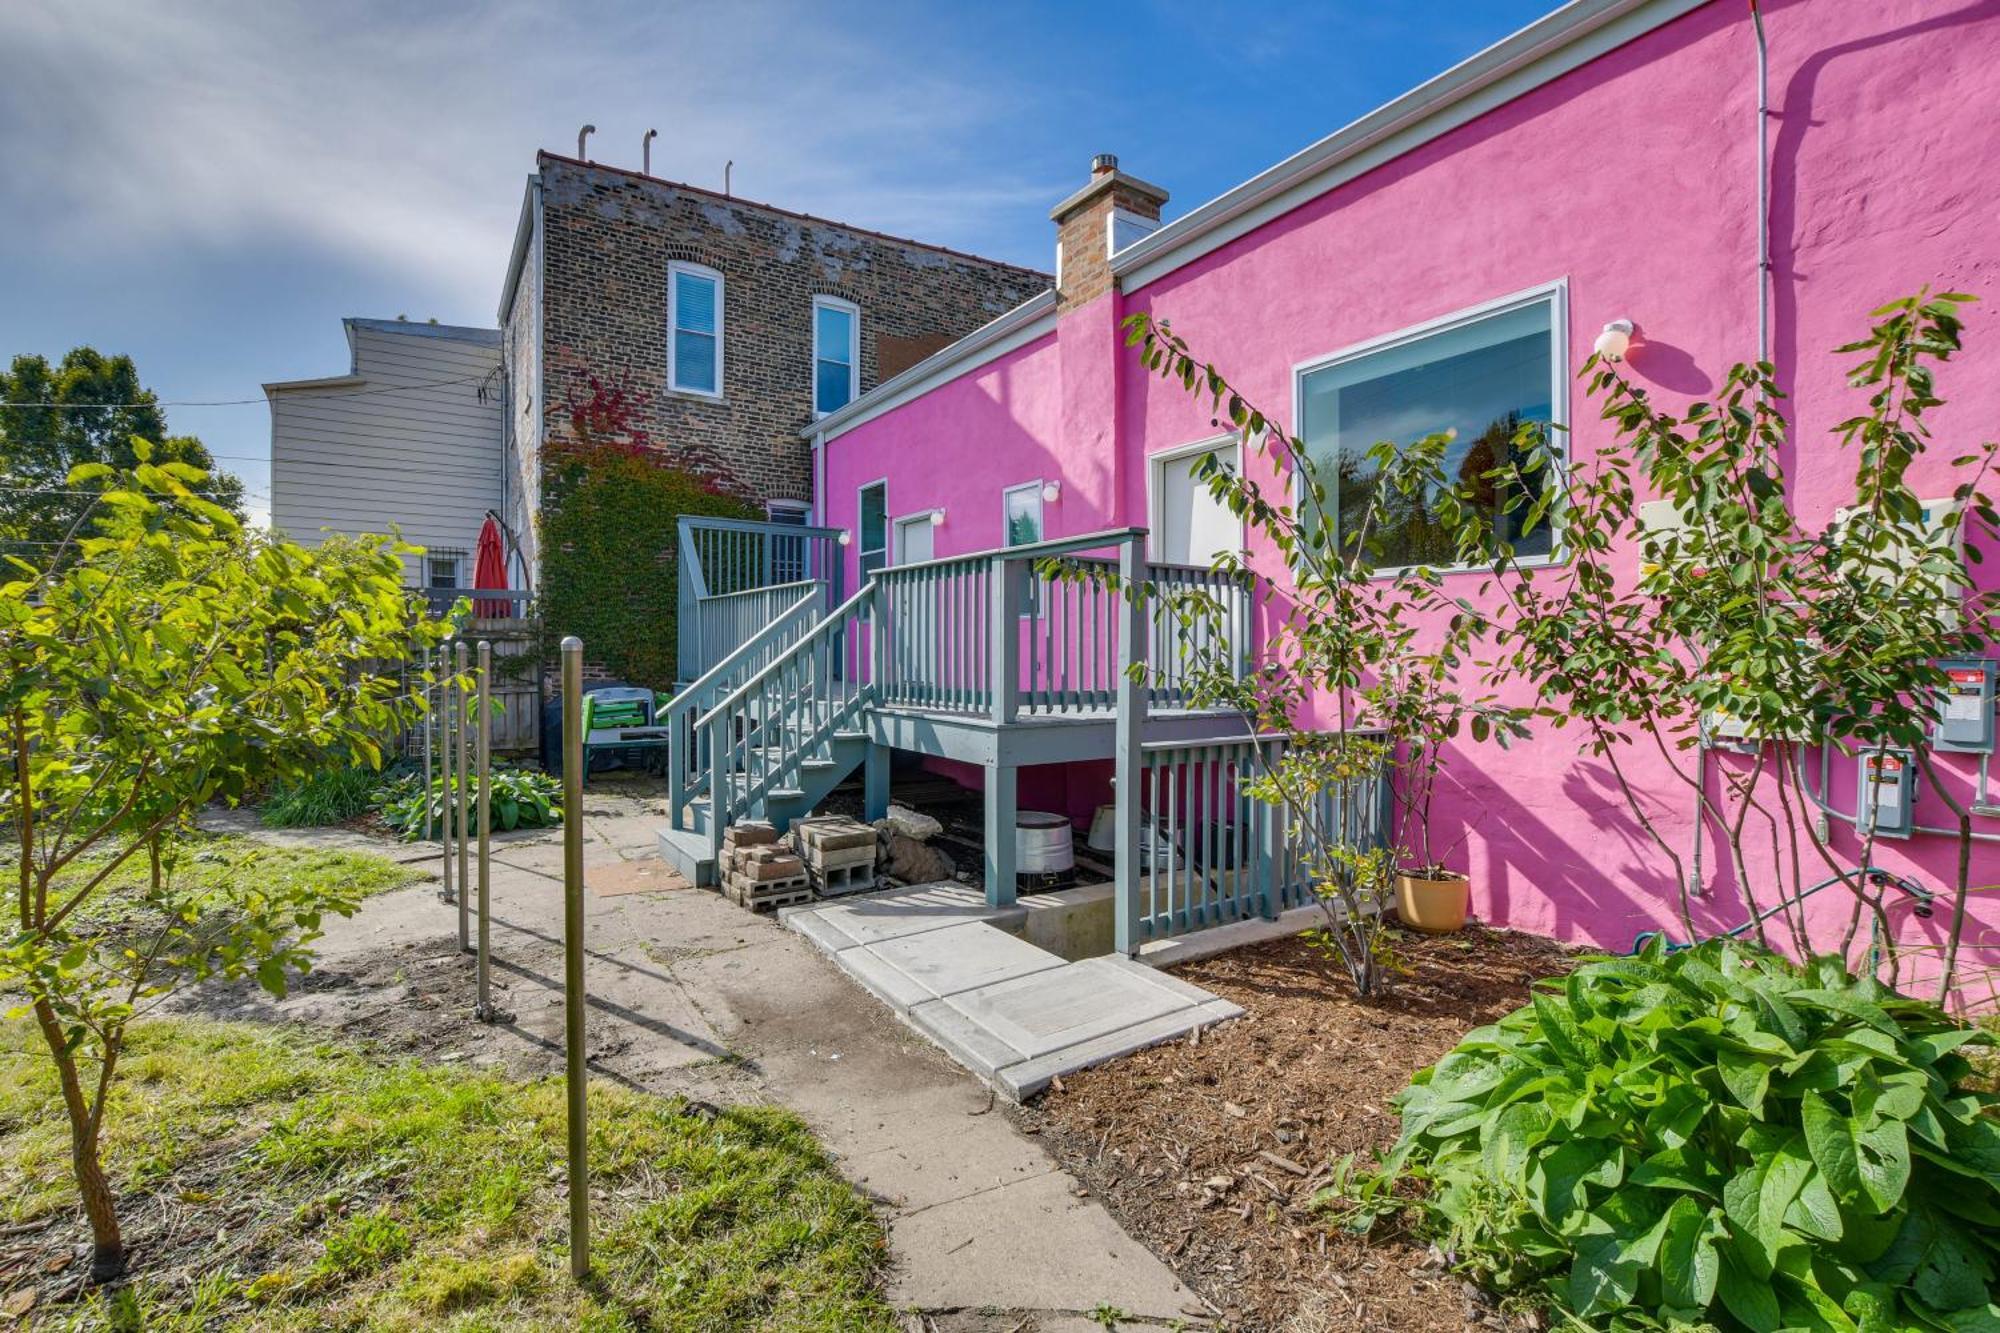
{"x": 1022, "y": 1081}
{"x": 1040, "y": 1014}
{"x": 1033, "y": 1244}
{"x": 871, "y": 918}
{"x": 961, "y": 958}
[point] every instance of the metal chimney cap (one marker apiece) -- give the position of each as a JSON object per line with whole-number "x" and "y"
{"x": 1103, "y": 162}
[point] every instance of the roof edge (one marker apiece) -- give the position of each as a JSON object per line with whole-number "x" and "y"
{"x": 544, "y": 155}
{"x": 1537, "y": 54}
{"x": 1027, "y": 321}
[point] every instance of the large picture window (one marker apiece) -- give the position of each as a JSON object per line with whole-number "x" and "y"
{"x": 694, "y": 316}
{"x": 1483, "y": 375}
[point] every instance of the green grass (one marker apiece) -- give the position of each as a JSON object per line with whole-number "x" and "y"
{"x": 330, "y": 796}
{"x": 213, "y": 864}
{"x": 315, "y": 1187}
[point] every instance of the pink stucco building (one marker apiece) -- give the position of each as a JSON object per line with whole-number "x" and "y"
{"x": 1452, "y": 255}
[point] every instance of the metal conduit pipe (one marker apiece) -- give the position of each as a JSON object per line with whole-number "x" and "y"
{"x": 1854, "y": 820}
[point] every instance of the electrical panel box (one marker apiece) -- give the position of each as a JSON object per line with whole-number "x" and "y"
{"x": 1965, "y": 706}
{"x": 1888, "y": 797}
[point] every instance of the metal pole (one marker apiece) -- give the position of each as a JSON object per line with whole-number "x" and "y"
{"x": 572, "y": 742}
{"x": 430, "y": 721}
{"x": 464, "y": 815}
{"x": 444, "y": 773}
{"x": 484, "y": 1010}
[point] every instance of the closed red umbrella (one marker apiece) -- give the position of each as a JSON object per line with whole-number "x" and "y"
{"x": 489, "y": 570}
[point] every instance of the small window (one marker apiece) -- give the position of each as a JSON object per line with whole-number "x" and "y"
{"x": 694, "y": 319}
{"x": 441, "y": 569}
{"x": 1483, "y": 375}
{"x": 874, "y": 525}
{"x": 836, "y": 353}
{"x": 1023, "y": 514}
{"x": 790, "y": 552}
{"x": 793, "y": 513}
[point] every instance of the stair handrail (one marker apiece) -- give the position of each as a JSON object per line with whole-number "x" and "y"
{"x": 685, "y": 779}
{"x": 723, "y": 746}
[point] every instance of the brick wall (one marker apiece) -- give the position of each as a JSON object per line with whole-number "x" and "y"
{"x": 608, "y": 238}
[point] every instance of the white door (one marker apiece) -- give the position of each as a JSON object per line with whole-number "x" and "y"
{"x": 1189, "y": 524}
{"x": 914, "y": 540}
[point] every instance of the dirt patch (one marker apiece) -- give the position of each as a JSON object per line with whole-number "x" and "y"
{"x": 1210, "y": 1152}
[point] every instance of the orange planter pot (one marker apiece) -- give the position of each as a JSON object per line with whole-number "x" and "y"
{"x": 1434, "y": 906}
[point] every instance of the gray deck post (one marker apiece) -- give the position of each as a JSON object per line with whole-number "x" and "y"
{"x": 1128, "y": 758}
{"x": 1002, "y": 807}
{"x": 875, "y": 782}
{"x": 1005, "y": 647}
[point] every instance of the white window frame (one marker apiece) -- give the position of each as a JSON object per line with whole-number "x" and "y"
{"x": 898, "y": 553}
{"x": 800, "y": 511}
{"x": 861, "y": 532}
{"x": 1156, "y": 490}
{"x": 852, "y": 311}
{"x": 1556, "y": 295}
{"x": 1041, "y": 510}
{"x": 457, "y": 559}
{"x": 674, "y": 271}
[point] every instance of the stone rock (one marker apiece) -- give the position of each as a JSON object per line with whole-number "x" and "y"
{"x": 911, "y": 823}
{"x": 914, "y": 862}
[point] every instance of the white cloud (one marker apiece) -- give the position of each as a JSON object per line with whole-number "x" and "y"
{"x": 396, "y": 137}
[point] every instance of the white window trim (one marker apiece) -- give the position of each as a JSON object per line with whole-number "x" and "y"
{"x": 1034, "y": 487}
{"x": 888, "y": 525}
{"x": 1156, "y": 492}
{"x": 674, "y": 270}
{"x": 800, "y": 507}
{"x": 897, "y": 553}
{"x": 1556, "y": 295}
{"x": 853, "y": 311}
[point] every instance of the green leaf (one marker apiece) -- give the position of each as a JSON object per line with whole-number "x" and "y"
{"x": 1689, "y": 1265}
{"x": 1747, "y": 1296}
{"x": 1832, "y": 1145}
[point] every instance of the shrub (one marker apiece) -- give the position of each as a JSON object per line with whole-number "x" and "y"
{"x": 1716, "y": 1135}
{"x": 522, "y": 798}
{"x": 329, "y": 796}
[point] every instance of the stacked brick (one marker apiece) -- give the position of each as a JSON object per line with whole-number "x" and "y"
{"x": 839, "y": 854}
{"x": 760, "y": 873}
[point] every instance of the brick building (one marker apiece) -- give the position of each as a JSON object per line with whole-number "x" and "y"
{"x": 730, "y": 325}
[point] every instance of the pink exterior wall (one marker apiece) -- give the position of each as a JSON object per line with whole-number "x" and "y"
{"x": 1631, "y": 181}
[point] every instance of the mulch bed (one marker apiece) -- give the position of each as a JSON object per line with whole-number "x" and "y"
{"x": 1210, "y": 1152}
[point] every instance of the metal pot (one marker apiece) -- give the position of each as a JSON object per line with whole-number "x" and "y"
{"x": 1044, "y": 843}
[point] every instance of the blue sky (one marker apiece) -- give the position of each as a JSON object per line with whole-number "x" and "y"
{"x": 211, "y": 187}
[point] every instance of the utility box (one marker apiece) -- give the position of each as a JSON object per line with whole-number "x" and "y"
{"x": 1888, "y": 797}
{"x": 1965, "y": 706}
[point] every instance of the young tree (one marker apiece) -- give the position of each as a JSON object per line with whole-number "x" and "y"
{"x": 87, "y": 408}
{"x": 166, "y": 661}
{"x": 1380, "y": 652}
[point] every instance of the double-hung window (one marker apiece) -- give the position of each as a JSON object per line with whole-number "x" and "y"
{"x": 694, "y": 329}
{"x": 836, "y": 353}
{"x": 1483, "y": 375}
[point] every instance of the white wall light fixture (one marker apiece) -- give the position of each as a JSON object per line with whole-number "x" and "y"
{"x": 846, "y": 537}
{"x": 1051, "y": 491}
{"x": 1615, "y": 341}
{"x": 937, "y": 517}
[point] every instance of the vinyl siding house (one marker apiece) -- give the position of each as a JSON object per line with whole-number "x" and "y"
{"x": 408, "y": 438}
{"x": 1447, "y": 259}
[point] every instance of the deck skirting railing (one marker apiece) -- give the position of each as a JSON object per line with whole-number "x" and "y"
{"x": 1209, "y": 853}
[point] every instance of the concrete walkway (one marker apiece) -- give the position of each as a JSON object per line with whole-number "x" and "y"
{"x": 691, "y": 994}
{"x": 1009, "y": 1011}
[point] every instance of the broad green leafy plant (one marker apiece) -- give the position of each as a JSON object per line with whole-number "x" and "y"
{"x": 1716, "y": 1135}
{"x": 165, "y": 660}
{"x": 522, "y": 798}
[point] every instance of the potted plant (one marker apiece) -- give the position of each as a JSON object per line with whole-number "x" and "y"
{"x": 1421, "y": 711}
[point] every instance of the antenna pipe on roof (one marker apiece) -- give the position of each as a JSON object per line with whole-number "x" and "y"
{"x": 646, "y": 153}
{"x": 727, "y": 167}
{"x": 581, "y": 135}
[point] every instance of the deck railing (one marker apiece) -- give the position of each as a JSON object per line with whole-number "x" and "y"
{"x": 1209, "y": 853}
{"x": 688, "y": 764}
{"x": 720, "y": 558}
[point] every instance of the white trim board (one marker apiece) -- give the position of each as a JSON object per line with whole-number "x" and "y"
{"x": 1020, "y": 326}
{"x": 1567, "y": 39}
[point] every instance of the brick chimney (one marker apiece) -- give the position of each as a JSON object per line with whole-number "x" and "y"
{"x": 1084, "y": 229}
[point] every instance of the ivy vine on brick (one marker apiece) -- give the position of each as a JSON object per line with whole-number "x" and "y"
{"x": 611, "y": 501}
